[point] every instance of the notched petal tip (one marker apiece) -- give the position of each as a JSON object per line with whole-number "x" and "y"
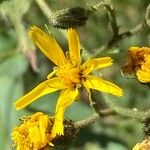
{"x": 33, "y": 32}
{"x": 57, "y": 130}
{"x": 34, "y": 28}
{"x": 74, "y": 45}
{"x": 109, "y": 61}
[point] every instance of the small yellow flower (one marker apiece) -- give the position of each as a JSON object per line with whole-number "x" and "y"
{"x": 139, "y": 63}
{"x": 34, "y": 133}
{"x": 145, "y": 145}
{"x": 68, "y": 76}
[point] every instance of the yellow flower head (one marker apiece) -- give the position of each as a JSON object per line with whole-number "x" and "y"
{"x": 68, "y": 76}
{"x": 145, "y": 145}
{"x": 139, "y": 63}
{"x": 34, "y": 133}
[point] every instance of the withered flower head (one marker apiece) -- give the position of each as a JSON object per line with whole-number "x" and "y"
{"x": 138, "y": 62}
{"x": 34, "y": 133}
{"x": 145, "y": 145}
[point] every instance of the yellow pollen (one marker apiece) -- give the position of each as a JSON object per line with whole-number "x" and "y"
{"x": 69, "y": 74}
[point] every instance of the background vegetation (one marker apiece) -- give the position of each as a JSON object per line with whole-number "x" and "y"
{"x": 22, "y": 67}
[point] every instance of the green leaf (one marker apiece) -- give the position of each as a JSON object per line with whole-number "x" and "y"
{"x": 116, "y": 146}
{"x": 78, "y": 111}
{"x": 10, "y": 91}
{"x": 18, "y": 7}
{"x": 14, "y": 66}
{"x": 8, "y": 41}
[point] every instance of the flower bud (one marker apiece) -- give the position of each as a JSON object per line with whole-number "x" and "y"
{"x": 70, "y": 17}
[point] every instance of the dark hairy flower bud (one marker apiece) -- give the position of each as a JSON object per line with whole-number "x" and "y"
{"x": 70, "y": 17}
{"x": 70, "y": 135}
{"x": 146, "y": 128}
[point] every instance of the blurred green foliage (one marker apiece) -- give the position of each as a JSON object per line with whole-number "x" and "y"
{"x": 18, "y": 74}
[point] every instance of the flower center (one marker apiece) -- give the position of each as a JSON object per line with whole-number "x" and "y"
{"x": 69, "y": 74}
{"x": 139, "y": 58}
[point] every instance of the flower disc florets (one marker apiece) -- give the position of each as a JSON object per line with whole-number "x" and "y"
{"x": 70, "y": 74}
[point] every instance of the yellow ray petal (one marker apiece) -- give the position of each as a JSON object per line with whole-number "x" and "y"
{"x": 43, "y": 124}
{"x": 96, "y": 63}
{"x": 48, "y": 45}
{"x": 143, "y": 76}
{"x": 74, "y": 46}
{"x": 44, "y": 88}
{"x": 99, "y": 84}
{"x": 34, "y": 135}
{"x": 66, "y": 98}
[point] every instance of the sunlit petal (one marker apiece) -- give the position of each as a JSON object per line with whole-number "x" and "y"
{"x": 44, "y": 88}
{"x": 34, "y": 134}
{"x": 74, "y": 45}
{"x": 143, "y": 76}
{"x": 48, "y": 45}
{"x": 43, "y": 124}
{"x": 66, "y": 98}
{"x": 92, "y": 82}
{"x": 95, "y": 63}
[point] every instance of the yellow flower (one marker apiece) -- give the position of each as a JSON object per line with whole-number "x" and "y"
{"x": 145, "y": 145}
{"x": 68, "y": 76}
{"x": 34, "y": 133}
{"x": 139, "y": 62}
